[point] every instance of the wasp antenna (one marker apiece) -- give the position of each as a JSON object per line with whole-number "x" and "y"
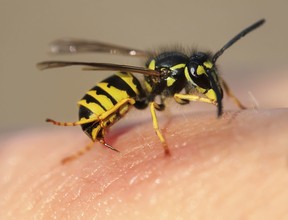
{"x": 236, "y": 38}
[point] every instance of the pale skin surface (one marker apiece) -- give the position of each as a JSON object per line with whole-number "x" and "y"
{"x": 235, "y": 167}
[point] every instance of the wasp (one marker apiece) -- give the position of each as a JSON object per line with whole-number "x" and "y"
{"x": 185, "y": 77}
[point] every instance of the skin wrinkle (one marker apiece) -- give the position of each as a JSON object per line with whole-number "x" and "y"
{"x": 192, "y": 165}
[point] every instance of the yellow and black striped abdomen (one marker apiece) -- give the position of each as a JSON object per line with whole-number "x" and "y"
{"x": 108, "y": 102}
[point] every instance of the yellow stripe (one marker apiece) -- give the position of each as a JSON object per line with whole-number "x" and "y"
{"x": 128, "y": 78}
{"x": 148, "y": 86}
{"x": 200, "y": 70}
{"x": 208, "y": 64}
{"x": 95, "y": 132}
{"x": 210, "y": 93}
{"x": 95, "y": 108}
{"x": 170, "y": 81}
{"x": 152, "y": 65}
{"x": 104, "y": 100}
{"x": 117, "y": 94}
{"x": 178, "y": 66}
{"x": 201, "y": 90}
{"x": 187, "y": 75}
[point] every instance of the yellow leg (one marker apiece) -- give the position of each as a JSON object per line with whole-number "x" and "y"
{"x": 154, "y": 106}
{"x": 94, "y": 119}
{"x": 82, "y": 121}
{"x": 180, "y": 98}
{"x": 78, "y": 154}
{"x": 101, "y": 118}
{"x": 231, "y": 95}
{"x": 116, "y": 107}
{"x": 84, "y": 150}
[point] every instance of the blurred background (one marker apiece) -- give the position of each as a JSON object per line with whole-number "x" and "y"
{"x": 28, "y": 95}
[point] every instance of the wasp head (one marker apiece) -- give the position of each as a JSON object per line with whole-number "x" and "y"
{"x": 201, "y": 72}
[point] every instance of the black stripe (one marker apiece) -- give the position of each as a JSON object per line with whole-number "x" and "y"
{"x": 84, "y": 112}
{"x": 100, "y": 91}
{"x": 88, "y": 127}
{"x": 117, "y": 82}
{"x": 141, "y": 91}
{"x": 91, "y": 99}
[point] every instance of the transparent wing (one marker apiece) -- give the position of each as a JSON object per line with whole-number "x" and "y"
{"x": 98, "y": 66}
{"x": 63, "y": 46}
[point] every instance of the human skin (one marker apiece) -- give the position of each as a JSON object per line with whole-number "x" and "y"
{"x": 235, "y": 167}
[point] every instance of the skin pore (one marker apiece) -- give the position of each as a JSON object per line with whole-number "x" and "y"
{"x": 235, "y": 167}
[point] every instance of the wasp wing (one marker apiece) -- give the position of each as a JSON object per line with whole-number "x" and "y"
{"x": 98, "y": 66}
{"x": 64, "y": 46}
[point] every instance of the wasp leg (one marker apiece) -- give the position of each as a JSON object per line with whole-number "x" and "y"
{"x": 84, "y": 150}
{"x": 183, "y": 98}
{"x": 153, "y": 106}
{"x": 81, "y": 122}
{"x": 78, "y": 154}
{"x": 122, "y": 107}
{"x": 231, "y": 95}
